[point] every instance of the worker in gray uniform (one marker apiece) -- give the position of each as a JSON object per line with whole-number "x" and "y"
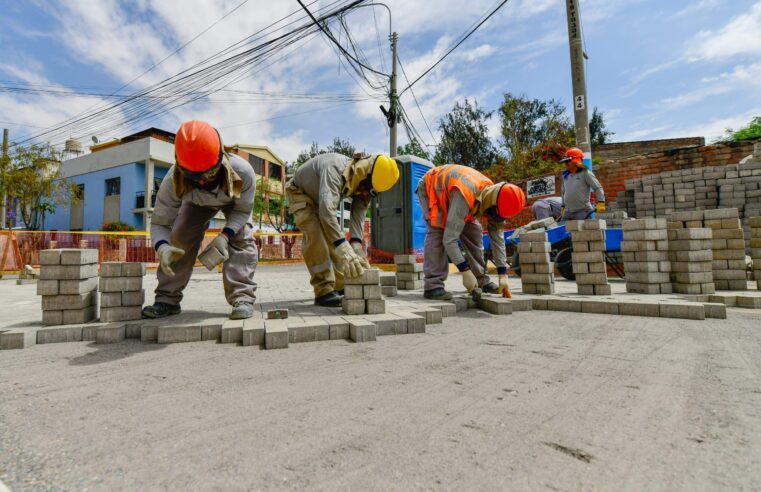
{"x": 315, "y": 194}
{"x": 204, "y": 180}
{"x": 578, "y": 182}
{"x": 548, "y": 207}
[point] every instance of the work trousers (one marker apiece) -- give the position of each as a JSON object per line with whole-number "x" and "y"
{"x": 436, "y": 261}
{"x": 578, "y": 215}
{"x": 324, "y": 264}
{"x": 541, "y": 210}
{"x": 237, "y": 271}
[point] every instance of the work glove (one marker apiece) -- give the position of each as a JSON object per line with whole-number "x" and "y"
{"x": 469, "y": 281}
{"x": 351, "y": 261}
{"x": 600, "y": 207}
{"x": 504, "y": 287}
{"x": 168, "y": 254}
{"x": 360, "y": 251}
{"x": 221, "y": 243}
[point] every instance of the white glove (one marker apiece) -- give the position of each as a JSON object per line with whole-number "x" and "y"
{"x": 469, "y": 281}
{"x": 221, "y": 244}
{"x": 504, "y": 287}
{"x": 352, "y": 262}
{"x": 168, "y": 254}
{"x": 360, "y": 251}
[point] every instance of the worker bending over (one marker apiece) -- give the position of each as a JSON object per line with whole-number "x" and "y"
{"x": 314, "y": 197}
{"x": 204, "y": 180}
{"x": 454, "y": 198}
{"x": 548, "y": 207}
{"x": 578, "y": 182}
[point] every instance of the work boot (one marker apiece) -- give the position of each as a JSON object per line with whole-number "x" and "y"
{"x": 331, "y": 299}
{"x": 490, "y": 288}
{"x": 161, "y": 310}
{"x": 340, "y": 292}
{"x": 438, "y": 294}
{"x": 242, "y": 310}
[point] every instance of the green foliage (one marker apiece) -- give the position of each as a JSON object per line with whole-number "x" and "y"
{"x": 465, "y": 137}
{"x": 117, "y": 226}
{"x": 750, "y": 132}
{"x": 528, "y": 123}
{"x": 413, "y": 148}
{"x": 597, "y": 130}
{"x": 339, "y": 146}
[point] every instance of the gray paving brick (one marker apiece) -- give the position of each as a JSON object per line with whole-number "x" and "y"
{"x": 564, "y": 304}
{"x": 353, "y": 307}
{"x": 338, "y": 327}
{"x": 361, "y": 330}
{"x": 370, "y": 276}
{"x": 69, "y": 287}
{"x": 61, "y": 302}
{"x": 496, "y": 305}
{"x": 414, "y": 322}
{"x": 252, "y": 334}
{"x": 47, "y": 287}
{"x": 748, "y": 302}
{"x": 132, "y": 298}
{"x": 79, "y": 256}
{"x": 211, "y": 328}
{"x": 110, "y": 269}
{"x": 68, "y": 272}
{"x": 683, "y": 310}
{"x": 715, "y": 310}
{"x": 133, "y": 330}
{"x": 50, "y": 257}
{"x": 17, "y": 339}
{"x": 389, "y": 290}
{"x": 404, "y": 259}
{"x": 133, "y": 269}
{"x": 354, "y": 292}
{"x": 375, "y": 306}
{"x": 59, "y": 334}
{"x": 110, "y": 299}
{"x": 275, "y": 334}
{"x": 599, "y": 306}
{"x": 120, "y": 284}
{"x": 640, "y": 308}
{"x": 371, "y": 292}
{"x": 124, "y": 313}
{"x": 388, "y": 279}
{"x": 179, "y": 333}
{"x": 232, "y": 331}
{"x": 110, "y": 333}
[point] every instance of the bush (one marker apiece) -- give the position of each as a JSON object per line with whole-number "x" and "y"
{"x": 117, "y": 226}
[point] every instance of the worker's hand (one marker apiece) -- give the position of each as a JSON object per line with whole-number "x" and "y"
{"x": 504, "y": 287}
{"x": 352, "y": 262}
{"x": 600, "y": 207}
{"x": 469, "y": 281}
{"x": 222, "y": 244}
{"x": 168, "y": 254}
{"x": 360, "y": 251}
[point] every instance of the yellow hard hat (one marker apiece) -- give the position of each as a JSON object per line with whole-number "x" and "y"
{"x": 385, "y": 173}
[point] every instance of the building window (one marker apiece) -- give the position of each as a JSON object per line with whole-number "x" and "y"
{"x": 275, "y": 171}
{"x": 113, "y": 186}
{"x": 257, "y": 163}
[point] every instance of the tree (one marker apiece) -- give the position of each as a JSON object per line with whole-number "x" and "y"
{"x": 753, "y": 130}
{"x": 465, "y": 137}
{"x": 526, "y": 123}
{"x": 598, "y": 132}
{"x": 34, "y": 180}
{"x": 413, "y": 148}
{"x": 339, "y": 146}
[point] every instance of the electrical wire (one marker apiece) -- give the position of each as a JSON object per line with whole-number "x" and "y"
{"x": 420, "y": 110}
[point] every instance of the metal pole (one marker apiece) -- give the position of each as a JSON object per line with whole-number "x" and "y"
{"x": 578, "y": 77}
{"x": 4, "y": 195}
{"x": 393, "y": 97}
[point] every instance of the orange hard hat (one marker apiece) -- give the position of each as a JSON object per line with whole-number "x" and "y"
{"x": 573, "y": 154}
{"x": 197, "y": 146}
{"x": 511, "y": 200}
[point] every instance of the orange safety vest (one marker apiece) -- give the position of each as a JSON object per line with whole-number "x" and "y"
{"x": 441, "y": 181}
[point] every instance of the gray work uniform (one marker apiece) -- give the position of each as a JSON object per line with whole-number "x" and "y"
{"x": 576, "y": 190}
{"x": 314, "y": 197}
{"x": 182, "y": 221}
{"x": 440, "y": 245}
{"x": 547, "y": 207}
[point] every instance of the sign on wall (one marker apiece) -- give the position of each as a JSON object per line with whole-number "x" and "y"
{"x": 541, "y": 186}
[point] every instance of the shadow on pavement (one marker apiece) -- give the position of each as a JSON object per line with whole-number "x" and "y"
{"x": 113, "y": 352}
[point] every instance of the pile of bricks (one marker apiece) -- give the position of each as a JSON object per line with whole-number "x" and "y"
{"x": 388, "y": 284}
{"x": 121, "y": 291}
{"x": 409, "y": 273}
{"x": 536, "y": 268}
{"x": 588, "y": 257}
{"x": 68, "y": 285}
{"x": 755, "y": 248}
{"x": 614, "y": 219}
{"x": 728, "y": 243}
{"x": 645, "y": 251}
{"x": 691, "y": 261}
{"x": 362, "y": 295}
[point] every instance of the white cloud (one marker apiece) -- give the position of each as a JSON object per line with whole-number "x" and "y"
{"x": 741, "y": 36}
{"x": 695, "y": 7}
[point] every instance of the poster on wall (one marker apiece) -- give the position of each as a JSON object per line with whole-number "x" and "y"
{"x": 541, "y": 186}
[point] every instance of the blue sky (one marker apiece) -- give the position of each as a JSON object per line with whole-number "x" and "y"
{"x": 657, "y": 69}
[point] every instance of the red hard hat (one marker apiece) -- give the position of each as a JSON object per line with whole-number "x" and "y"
{"x": 197, "y": 146}
{"x": 573, "y": 154}
{"x": 511, "y": 200}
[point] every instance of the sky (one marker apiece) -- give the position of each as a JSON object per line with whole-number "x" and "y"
{"x": 656, "y": 69}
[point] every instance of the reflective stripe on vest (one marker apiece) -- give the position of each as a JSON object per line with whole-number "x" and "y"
{"x": 441, "y": 181}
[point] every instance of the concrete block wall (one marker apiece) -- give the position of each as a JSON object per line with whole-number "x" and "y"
{"x": 645, "y": 253}
{"x": 121, "y": 291}
{"x": 409, "y": 273}
{"x": 68, "y": 285}
{"x": 537, "y": 271}
{"x": 588, "y": 257}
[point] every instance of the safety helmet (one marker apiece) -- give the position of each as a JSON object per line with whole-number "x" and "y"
{"x": 510, "y": 201}
{"x": 197, "y": 146}
{"x": 574, "y": 155}
{"x": 385, "y": 173}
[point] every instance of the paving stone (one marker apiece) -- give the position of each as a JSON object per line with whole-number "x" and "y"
{"x": 179, "y": 333}
{"x": 232, "y": 331}
{"x": 120, "y": 284}
{"x": 133, "y": 330}
{"x": 715, "y": 310}
{"x": 59, "y": 334}
{"x": 338, "y": 327}
{"x": 748, "y": 302}
{"x": 309, "y": 330}
{"x": 68, "y": 272}
{"x": 78, "y": 316}
{"x": 78, "y": 286}
{"x": 410, "y": 267}
{"x": 110, "y": 269}
{"x": 521, "y": 304}
{"x": 253, "y": 332}
{"x": 460, "y": 303}
{"x": 52, "y": 318}
{"x": 149, "y": 331}
{"x": 47, "y": 287}
{"x": 375, "y": 306}
{"x": 79, "y": 256}
{"x": 447, "y": 308}
{"x": 389, "y": 290}
{"x": 50, "y": 257}
{"x": 639, "y": 308}
{"x": 353, "y": 307}
{"x": 388, "y": 280}
{"x": 599, "y": 306}
{"x": 277, "y": 314}
{"x": 563, "y": 304}
{"x": 275, "y": 334}
{"x": 131, "y": 298}
{"x": 110, "y": 333}
{"x": 370, "y": 276}
{"x": 61, "y": 302}
{"x": 371, "y": 292}
{"x": 17, "y": 339}
{"x": 404, "y": 259}
{"x": 408, "y": 277}
{"x": 496, "y": 305}
{"x": 123, "y": 313}
{"x": 354, "y": 292}
{"x": 361, "y": 330}
{"x": 431, "y": 315}
{"x": 683, "y": 310}
{"x": 133, "y": 269}
{"x": 110, "y": 299}
{"x": 211, "y": 328}
{"x": 385, "y": 324}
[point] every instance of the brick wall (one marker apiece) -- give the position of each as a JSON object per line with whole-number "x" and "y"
{"x": 628, "y": 149}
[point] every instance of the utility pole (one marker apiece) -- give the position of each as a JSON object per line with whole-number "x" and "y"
{"x": 578, "y": 76}
{"x": 4, "y": 195}
{"x": 393, "y": 115}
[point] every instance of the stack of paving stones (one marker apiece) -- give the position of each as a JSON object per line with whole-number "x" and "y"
{"x": 409, "y": 273}
{"x": 536, "y": 268}
{"x": 727, "y": 243}
{"x": 388, "y": 284}
{"x": 121, "y": 291}
{"x": 362, "y": 295}
{"x": 614, "y": 219}
{"x": 755, "y": 248}
{"x": 691, "y": 260}
{"x": 645, "y": 251}
{"x": 588, "y": 257}
{"x": 68, "y": 285}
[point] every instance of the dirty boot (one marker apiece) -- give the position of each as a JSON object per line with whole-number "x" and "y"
{"x": 242, "y": 310}
{"x": 161, "y": 310}
{"x": 331, "y": 299}
{"x": 438, "y": 294}
{"x": 490, "y": 288}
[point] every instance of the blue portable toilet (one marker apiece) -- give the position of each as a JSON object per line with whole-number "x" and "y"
{"x": 398, "y": 225}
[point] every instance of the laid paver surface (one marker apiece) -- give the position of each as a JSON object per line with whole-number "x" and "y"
{"x": 531, "y": 400}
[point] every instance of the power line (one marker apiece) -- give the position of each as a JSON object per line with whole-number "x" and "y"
{"x": 469, "y": 33}
{"x": 420, "y": 110}
{"x": 286, "y": 115}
